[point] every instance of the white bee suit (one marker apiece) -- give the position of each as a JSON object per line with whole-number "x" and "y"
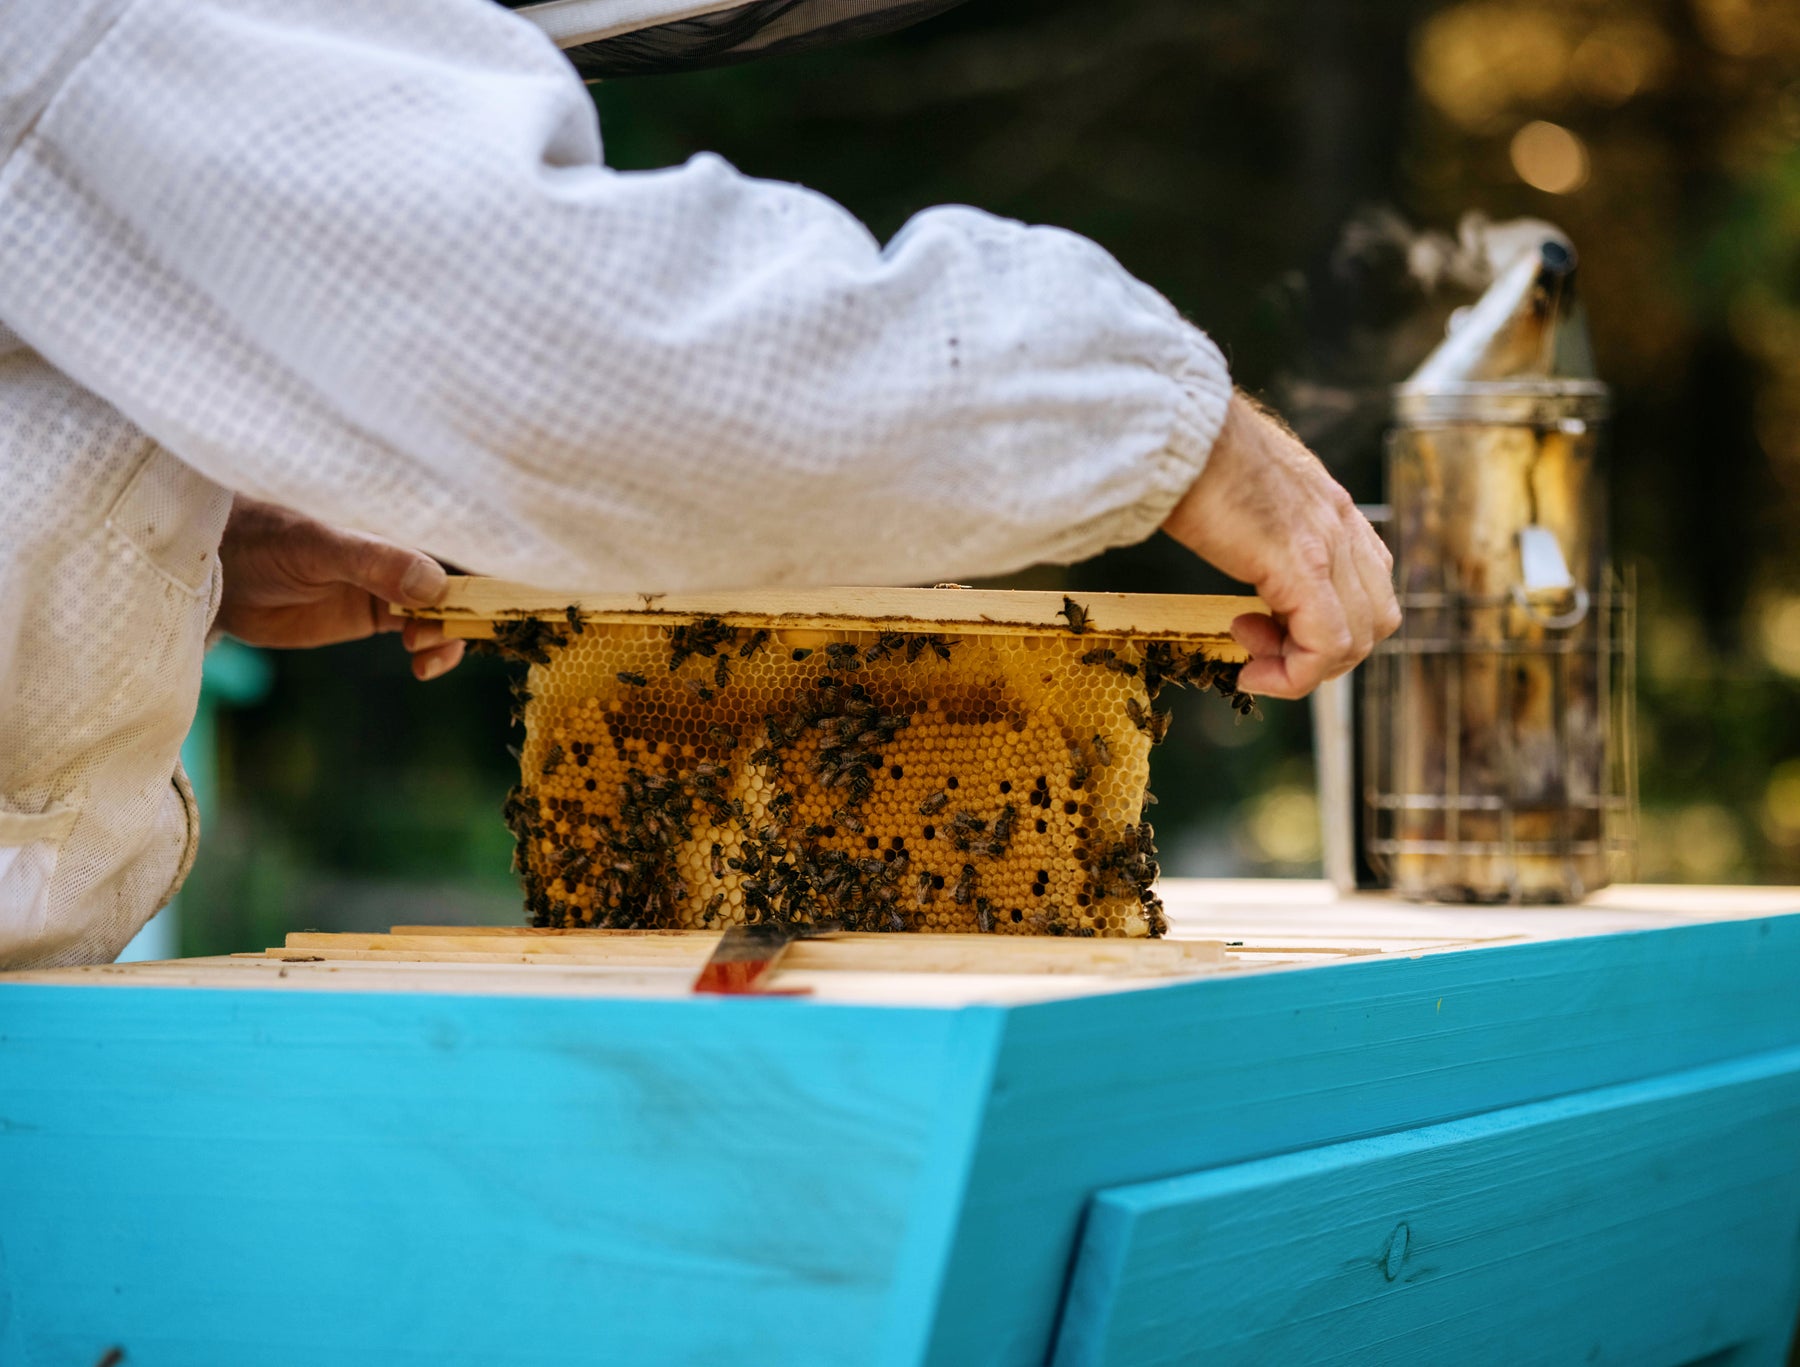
{"x": 362, "y": 258}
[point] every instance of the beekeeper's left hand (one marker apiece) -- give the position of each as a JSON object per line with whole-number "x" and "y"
{"x": 291, "y": 581}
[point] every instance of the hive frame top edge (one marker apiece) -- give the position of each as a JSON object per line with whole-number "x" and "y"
{"x": 472, "y": 604}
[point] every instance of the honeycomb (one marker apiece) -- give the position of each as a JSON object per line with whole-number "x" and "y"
{"x": 708, "y": 775}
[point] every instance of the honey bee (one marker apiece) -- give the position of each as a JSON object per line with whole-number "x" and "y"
{"x": 712, "y": 909}
{"x": 984, "y": 915}
{"x": 552, "y": 760}
{"x": 698, "y": 689}
{"x": 1078, "y": 770}
{"x": 717, "y": 860}
{"x": 754, "y": 644}
{"x": 722, "y": 670}
{"x": 934, "y": 804}
{"x": 573, "y": 613}
{"x": 1152, "y": 723}
{"x": 1102, "y": 751}
{"x": 1003, "y": 825}
{"x": 927, "y": 887}
{"x": 965, "y": 886}
{"x": 626, "y": 676}
{"x": 1075, "y": 614}
{"x": 886, "y": 644}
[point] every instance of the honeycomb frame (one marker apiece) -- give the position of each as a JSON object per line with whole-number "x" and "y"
{"x": 943, "y": 769}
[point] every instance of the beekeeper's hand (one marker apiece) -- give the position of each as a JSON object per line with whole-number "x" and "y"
{"x": 1265, "y": 511}
{"x": 290, "y": 581}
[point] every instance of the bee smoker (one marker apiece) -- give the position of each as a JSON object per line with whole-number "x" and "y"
{"x": 1498, "y": 761}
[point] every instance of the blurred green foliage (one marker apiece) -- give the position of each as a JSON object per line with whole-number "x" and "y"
{"x": 1256, "y": 160}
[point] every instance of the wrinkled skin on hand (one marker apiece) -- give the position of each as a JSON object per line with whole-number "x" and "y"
{"x": 1266, "y": 511}
{"x": 291, "y": 582}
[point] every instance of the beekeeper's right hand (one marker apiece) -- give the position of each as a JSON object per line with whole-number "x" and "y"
{"x": 1266, "y": 511}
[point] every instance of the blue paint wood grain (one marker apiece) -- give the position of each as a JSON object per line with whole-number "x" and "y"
{"x": 1097, "y": 1092}
{"x": 251, "y": 1177}
{"x": 1652, "y": 1224}
{"x": 220, "y": 1177}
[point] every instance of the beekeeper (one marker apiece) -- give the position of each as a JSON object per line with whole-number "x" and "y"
{"x": 287, "y": 286}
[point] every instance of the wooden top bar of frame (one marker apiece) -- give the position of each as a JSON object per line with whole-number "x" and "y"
{"x": 472, "y": 605}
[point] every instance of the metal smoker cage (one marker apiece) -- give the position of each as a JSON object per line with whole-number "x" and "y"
{"x": 1539, "y": 814}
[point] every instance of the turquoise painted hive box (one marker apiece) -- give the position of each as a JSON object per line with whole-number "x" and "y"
{"x": 1301, "y": 1131}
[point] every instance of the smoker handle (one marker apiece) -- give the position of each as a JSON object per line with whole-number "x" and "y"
{"x": 1560, "y": 621}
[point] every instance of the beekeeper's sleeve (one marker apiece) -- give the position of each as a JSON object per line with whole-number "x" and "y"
{"x": 362, "y": 257}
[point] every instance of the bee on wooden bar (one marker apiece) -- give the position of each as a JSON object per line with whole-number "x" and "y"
{"x": 573, "y": 613}
{"x": 1075, "y": 614}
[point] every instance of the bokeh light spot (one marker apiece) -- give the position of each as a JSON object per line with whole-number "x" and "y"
{"x": 1781, "y": 803}
{"x": 1550, "y": 158}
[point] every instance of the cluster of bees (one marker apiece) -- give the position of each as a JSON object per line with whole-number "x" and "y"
{"x": 708, "y": 774}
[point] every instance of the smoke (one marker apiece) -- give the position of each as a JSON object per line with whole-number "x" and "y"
{"x": 1366, "y": 317}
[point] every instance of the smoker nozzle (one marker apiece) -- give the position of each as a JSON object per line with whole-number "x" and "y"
{"x": 1528, "y": 327}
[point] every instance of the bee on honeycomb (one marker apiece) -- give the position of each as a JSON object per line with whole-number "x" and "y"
{"x": 709, "y": 774}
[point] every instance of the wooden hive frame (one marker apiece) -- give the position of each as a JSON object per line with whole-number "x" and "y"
{"x": 993, "y": 782}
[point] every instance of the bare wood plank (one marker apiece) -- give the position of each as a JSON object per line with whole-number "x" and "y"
{"x": 846, "y": 952}
{"x": 472, "y": 604}
{"x": 688, "y": 948}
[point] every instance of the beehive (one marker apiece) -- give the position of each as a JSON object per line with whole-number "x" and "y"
{"x": 937, "y": 770}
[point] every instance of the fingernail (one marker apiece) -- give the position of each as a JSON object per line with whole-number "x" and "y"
{"x": 424, "y": 582}
{"x": 431, "y": 667}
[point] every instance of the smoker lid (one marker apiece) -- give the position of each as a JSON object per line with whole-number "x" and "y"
{"x": 1526, "y": 337}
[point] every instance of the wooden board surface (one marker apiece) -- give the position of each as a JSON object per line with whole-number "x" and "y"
{"x": 1219, "y": 927}
{"x": 472, "y": 605}
{"x": 1241, "y": 1067}
{"x": 500, "y": 1174}
{"x": 1642, "y": 1217}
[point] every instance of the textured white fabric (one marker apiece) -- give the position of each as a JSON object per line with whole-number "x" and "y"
{"x": 361, "y": 257}
{"x": 108, "y": 581}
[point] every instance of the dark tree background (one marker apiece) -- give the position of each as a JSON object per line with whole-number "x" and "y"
{"x": 1268, "y": 164}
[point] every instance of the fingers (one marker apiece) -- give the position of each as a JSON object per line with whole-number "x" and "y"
{"x": 439, "y": 660}
{"x": 393, "y": 574}
{"x": 1376, "y": 565}
{"x": 433, "y": 653}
